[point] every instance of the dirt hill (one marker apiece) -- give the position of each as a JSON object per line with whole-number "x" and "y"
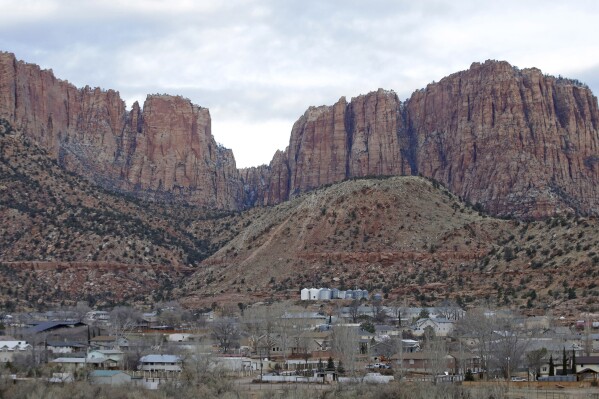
{"x": 408, "y": 238}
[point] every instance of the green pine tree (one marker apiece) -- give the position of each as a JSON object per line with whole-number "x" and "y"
{"x": 469, "y": 376}
{"x": 551, "y": 366}
{"x": 330, "y": 364}
{"x": 573, "y": 362}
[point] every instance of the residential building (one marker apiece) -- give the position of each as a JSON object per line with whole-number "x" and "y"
{"x": 160, "y": 363}
{"x": 109, "y": 342}
{"x": 8, "y": 349}
{"x": 109, "y": 377}
{"x": 440, "y": 326}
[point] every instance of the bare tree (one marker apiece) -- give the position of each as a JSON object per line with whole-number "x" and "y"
{"x": 508, "y": 346}
{"x": 478, "y": 327}
{"x": 226, "y": 332}
{"x": 267, "y": 326}
{"x": 345, "y": 342}
{"x": 284, "y": 328}
{"x": 437, "y": 357}
{"x": 379, "y": 314}
{"x": 123, "y": 320}
{"x": 534, "y": 360}
{"x": 354, "y": 310}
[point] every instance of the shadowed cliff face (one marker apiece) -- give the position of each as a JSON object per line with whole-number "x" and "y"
{"x": 165, "y": 151}
{"x": 515, "y": 141}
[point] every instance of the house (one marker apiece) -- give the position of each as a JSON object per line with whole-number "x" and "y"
{"x": 240, "y": 365}
{"x": 310, "y": 341}
{"x": 587, "y": 367}
{"x": 97, "y": 316}
{"x": 179, "y": 337}
{"x": 111, "y": 358}
{"x": 55, "y": 326}
{"x": 76, "y": 363}
{"x": 63, "y": 347}
{"x": 9, "y": 348}
{"x": 383, "y": 329}
{"x": 441, "y": 326}
{"x": 424, "y": 362}
{"x": 390, "y": 346}
{"x": 109, "y": 377}
{"x": 306, "y": 320}
{"x": 160, "y": 363}
{"x": 109, "y": 342}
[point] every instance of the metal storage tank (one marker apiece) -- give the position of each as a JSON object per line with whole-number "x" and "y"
{"x": 314, "y": 294}
{"x": 334, "y": 293}
{"x": 324, "y": 294}
{"x": 305, "y": 294}
{"x": 341, "y": 294}
{"x": 349, "y": 294}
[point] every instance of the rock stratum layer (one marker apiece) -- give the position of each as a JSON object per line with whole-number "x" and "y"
{"x": 517, "y": 142}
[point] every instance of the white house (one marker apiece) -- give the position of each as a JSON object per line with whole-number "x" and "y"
{"x": 62, "y": 347}
{"x": 441, "y": 327}
{"x": 168, "y": 363}
{"x": 179, "y": 337}
{"x": 9, "y": 348}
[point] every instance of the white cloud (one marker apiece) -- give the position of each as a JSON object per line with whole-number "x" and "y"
{"x": 258, "y": 64}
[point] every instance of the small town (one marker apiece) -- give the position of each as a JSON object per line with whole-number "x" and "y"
{"x": 307, "y": 345}
{"x": 260, "y": 199}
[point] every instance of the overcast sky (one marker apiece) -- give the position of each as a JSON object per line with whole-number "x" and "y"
{"x": 258, "y": 64}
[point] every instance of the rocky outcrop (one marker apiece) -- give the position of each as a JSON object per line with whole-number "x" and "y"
{"x": 164, "y": 151}
{"x": 515, "y": 141}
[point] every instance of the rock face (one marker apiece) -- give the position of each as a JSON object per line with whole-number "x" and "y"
{"x": 165, "y": 151}
{"x": 515, "y": 141}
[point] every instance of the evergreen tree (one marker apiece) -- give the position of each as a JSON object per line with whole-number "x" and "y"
{"x": 340, "y": 368}
{"x": 330, "y": 364}
{"x": 564, "y": 362}
{"x": 573, "y": 362}
{"x": 551, "y": 366}
{"x": 469, "y": 376}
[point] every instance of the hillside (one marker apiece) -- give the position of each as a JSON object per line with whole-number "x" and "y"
{"x": 64, "y": 238}
{"x": 408, "y": 238}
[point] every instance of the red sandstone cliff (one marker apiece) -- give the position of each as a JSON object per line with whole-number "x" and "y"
{"x": 515, "y": 141}
{"x": 165, "y": 150}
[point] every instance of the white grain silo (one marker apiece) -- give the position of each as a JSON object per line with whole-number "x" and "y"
{"x": 314, "y": 294}
{"x": 349, "y": 294}
{"x": 305, "y": 294}
{"x": 334, "y": 293}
